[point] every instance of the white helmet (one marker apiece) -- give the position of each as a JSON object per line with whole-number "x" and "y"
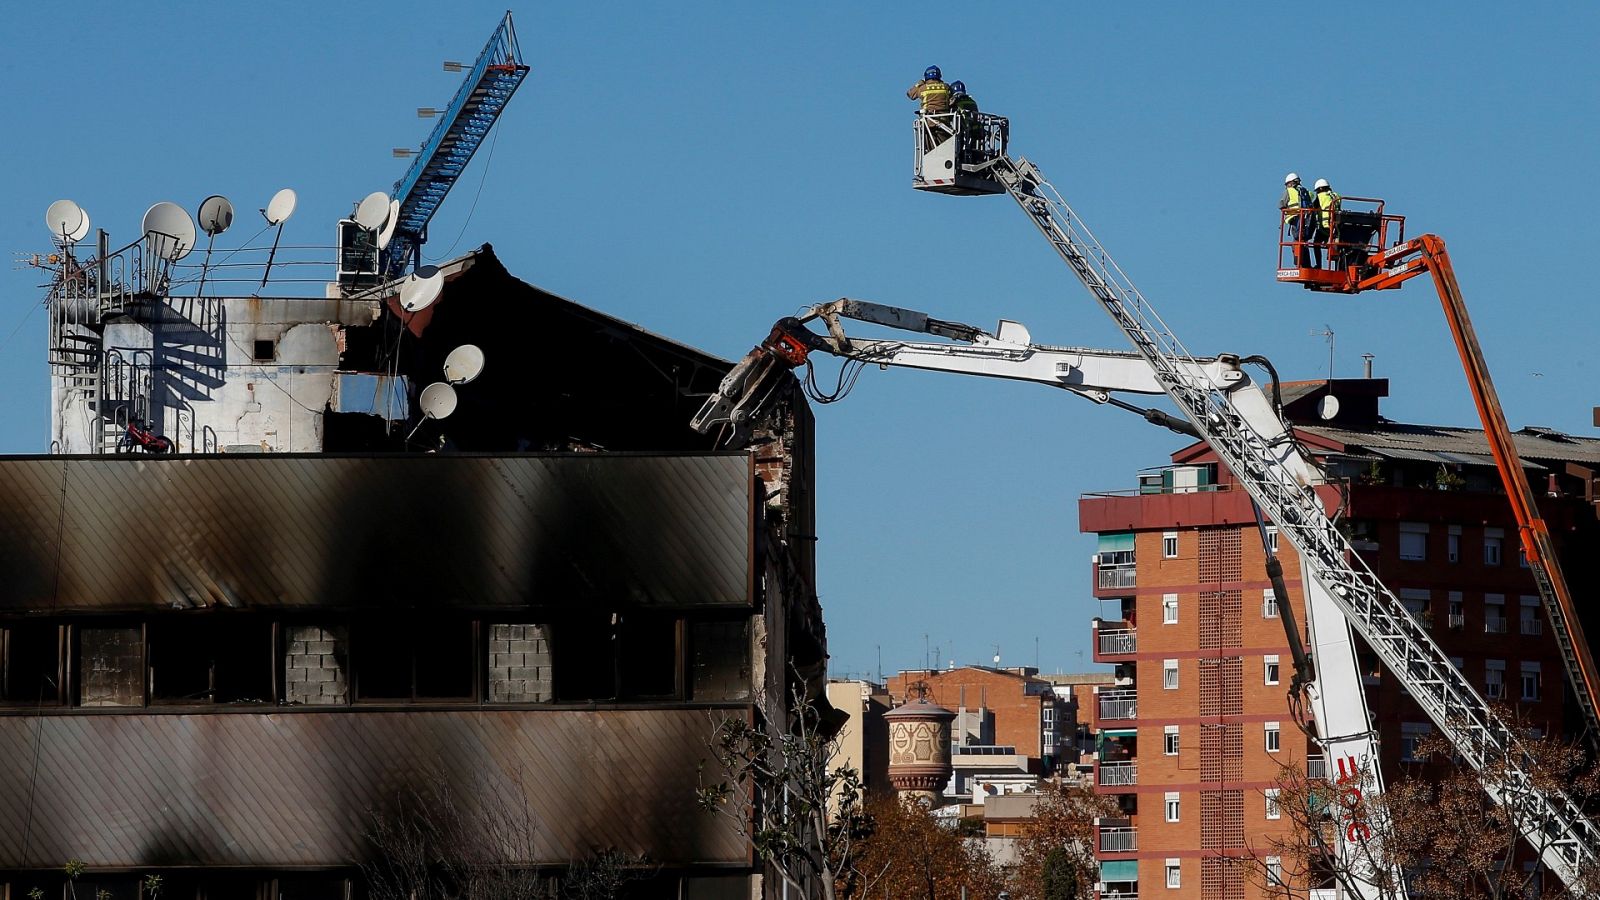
{"x": 1290, "y": 178}
{"x": 1321, "y": 183}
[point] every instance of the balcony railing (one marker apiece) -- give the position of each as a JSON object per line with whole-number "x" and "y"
{"x": 1119, "y": 895}
{"x": 1118, "y": 641}
{"x": 1115, "y": 577}
{"x": 1533, "y": 626}
{"x": 1457, "y": 621}
{"x": 1118, "y": 774}
{"x": 1119, "y": 840}
{"x": 1119, "y": 705}
{"x": 1494, "y": 625}
{"x": 1317, "y": 767}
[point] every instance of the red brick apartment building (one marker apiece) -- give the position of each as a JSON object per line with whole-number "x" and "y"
{"x": 1193, "y": 733}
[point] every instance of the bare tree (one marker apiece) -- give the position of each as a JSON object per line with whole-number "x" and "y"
{"x": 915, "y": 856}
{"x": 774, "y": 777}
{"x": 1056, "y": 849}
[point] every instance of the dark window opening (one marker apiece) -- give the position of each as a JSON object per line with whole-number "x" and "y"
{"x": 721, "y": 654}
{"x": 649, "y": 661}
{"x": 111, "y": 666}
{"x": 610, "y": 656}
{"x": 583, "y": 658}
{"x": 312, "y": 887}
{"x": 265, "y": 350}
{"x": 210, "y": 659}
{"x": 414, "y": 658}
{"x": 30, "y": 663}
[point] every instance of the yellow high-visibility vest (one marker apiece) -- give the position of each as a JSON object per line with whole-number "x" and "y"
{"x": 1328, "y": 202}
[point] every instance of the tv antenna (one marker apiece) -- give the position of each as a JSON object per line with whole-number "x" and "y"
{"x": 278, "y": 211}
{"x": 1327, "y": 333}
{"x": 216, "y": 214}
{"x": 67, "y": 221}
{"x": 464, "y": 364}
{"x": 438, "y": 401}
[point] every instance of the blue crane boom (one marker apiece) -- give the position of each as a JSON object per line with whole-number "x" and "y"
{"x": 463, "y": 125}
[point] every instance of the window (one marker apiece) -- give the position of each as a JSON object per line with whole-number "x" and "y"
{"x": 1174, "y": 872}
{"x": 1169, "y": 545}
{"x": 1417, "y": 602}
{"x": 1169, "y": 674}
{"x": 720, "y": 660}
{"x": 263, "y": 351}
{"x": 1271, "y": 669}
{"x": 519, "y": 663}
{"x": 1530, "y": 682}
{"x": 1274, "y": 811}
{"x": 1170, "y": 806}
{"x": 1169, "y": 609}
{"x": 1272, "y": 539}
{"x": 1169, "y": 740}
{"x": 1494, "y": 613}
{"x": 1453, "y": 544}
{"x": 1529, "y": 621}
{"x": 1273, "y": 737}
{"x": 1458, "y": 617}
{"x": 1413, "y": 540}
{"x": 1494, "y": 679}
{"x": 111, "y": 666}
{"x": 210, "y": 658}
{"x": 1493, "y": 540}
{"x": 406, "y": 658}
{"x": 626, "y": 655}
{"x": 1274, "y": 867}
{"x": 1411, "y": 733}
{"x": 30, "y": 663}
{"x": 1269, "y": 603}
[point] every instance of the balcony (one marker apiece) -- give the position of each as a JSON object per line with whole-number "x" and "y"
{"x": 1109, "y": 894}
{"x": 1115, "y": 642}
{"x": 1123, "y": 704}
{"x": 1457, "y": 621}
{"x": 1118, "y": 774}
{"x": 1118, "y": 577}
{"x": 1317, "y": 767}
{"x": 1494, "y": 625}
{"x": 1118, "y": 839}
{"x": 1532, "y": 626}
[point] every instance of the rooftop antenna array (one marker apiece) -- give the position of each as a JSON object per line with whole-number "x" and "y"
{"x": 277, "y": 212}
{"x": 67, "y": 221}
{"x": 216, "y": 214}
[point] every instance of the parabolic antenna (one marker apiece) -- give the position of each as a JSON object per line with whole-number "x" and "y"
{"x": 438, "y": 400}
{"x": 463, "y": 364}
{"x": 373, "y": 211}
{"x": 387, "y": 233}
{"x": 1328, "y": 408}
{"x": 169, "y": 230}
{"x": 421, "y": 288}
{"x": 67, "y": 221}
{"x": 216, "y": 214}
{"x": 280, "y": 208}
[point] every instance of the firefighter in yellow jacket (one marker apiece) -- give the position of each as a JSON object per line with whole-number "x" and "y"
{"x": 934, "y": 95}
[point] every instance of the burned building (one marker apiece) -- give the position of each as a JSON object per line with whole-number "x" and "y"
{"x": 230, "y": 668}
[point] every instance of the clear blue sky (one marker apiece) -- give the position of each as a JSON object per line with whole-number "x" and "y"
{"x": 705, "y": 168}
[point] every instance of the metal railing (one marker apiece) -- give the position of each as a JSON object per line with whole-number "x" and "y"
{"x": 1119, "y": 705}
{"x": 1494, "y": 625}
{"x": 1118, "y": 774}
{"x": 1457, "y": 621}
{"x": 1118, "y": 641}
{"x": 1317, "y": 767}
{"x": 1119, "y": 840}
{"x": 1533, "y": 626}
{"x": 1114, "y": 577}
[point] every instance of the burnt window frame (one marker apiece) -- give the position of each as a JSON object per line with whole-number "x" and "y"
{"x": 271, "y": 660}
{"x": 63, "y": 661}
{"x": 75, "y": 668}
{"x": 360, "y": 626}
{"x": 560, "y": 623}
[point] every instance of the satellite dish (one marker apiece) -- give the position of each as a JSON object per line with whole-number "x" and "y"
{"x": 280, "y": 208}
{"x": 1328, "y": 407}
{"x": 421, "y": 288}
{"x": 387, "y": 233}
{"x": 438, "y": 401}
{"x": 169, "y": 230}
{"x": 463, "y": 364}
{"x": 64, "y": 219}
{"x": 373, "y": 212}
{"x": 216, "y": 214}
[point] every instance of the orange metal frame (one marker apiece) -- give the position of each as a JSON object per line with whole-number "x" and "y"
{"x": 1346, "y": 263}
{"x": 1376, "y": 268}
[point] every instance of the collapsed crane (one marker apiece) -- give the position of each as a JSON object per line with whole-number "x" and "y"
{"x": 967, "y": 154}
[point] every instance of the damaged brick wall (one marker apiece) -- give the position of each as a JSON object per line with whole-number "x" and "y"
{"x": 519, "y": 664}
{"x": 316, "y": 666}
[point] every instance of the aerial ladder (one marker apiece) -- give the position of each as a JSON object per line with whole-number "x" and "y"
{"x": 463, "y": 125}
{"x": 1368, "y": 251}
{"x": 957, "y": 155}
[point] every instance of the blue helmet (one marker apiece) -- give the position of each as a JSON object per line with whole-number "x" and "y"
{"x": 932, "y": 72}
{"x": 958, "y": 87}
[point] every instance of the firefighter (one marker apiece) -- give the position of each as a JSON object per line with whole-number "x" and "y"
{"x": 963, "y": 104}
{"x": 1296, "y": 204}
{"x": 934, "y": 95}
{"x": 1328, "y": 212}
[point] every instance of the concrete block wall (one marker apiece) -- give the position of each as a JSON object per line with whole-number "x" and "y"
{"x": 519, "y": 664}
{"x": 316, "y": 665}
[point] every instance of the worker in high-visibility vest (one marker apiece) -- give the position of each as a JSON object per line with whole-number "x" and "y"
{"x": 964, "y": 105}
{"x": 934, "y": 95}
{"x": 1297, "y": 204}
{"x": 1327, "y": 220}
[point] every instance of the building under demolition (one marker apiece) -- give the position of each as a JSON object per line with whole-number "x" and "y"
{"x": 239, "y": 664}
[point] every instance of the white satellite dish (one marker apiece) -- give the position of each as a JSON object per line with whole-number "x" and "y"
{"x": 421, "y": 288}
{"x": 372, "y": 213}
{"x": 438, "y": 401}
{"x": 67, "y": 221}
{"x": 280, "y": 207}
{"x": 216, "y": 214}
{"x": 463, "y": 364}
{"x": 1328, "y": 407}
{"x": 169, "y": 230}
{"x": 387, "y": 233}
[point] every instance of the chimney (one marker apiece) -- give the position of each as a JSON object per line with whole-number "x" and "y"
{"x": 1366, "y": 366}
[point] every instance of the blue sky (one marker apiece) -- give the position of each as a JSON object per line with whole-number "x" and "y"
{"x": 703, "y": 169}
